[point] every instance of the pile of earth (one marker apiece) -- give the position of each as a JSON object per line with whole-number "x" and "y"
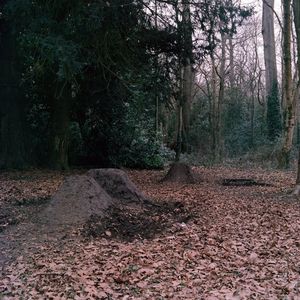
{"x": 105, "y": 202}
{"x": 81, "y": 196}
{"x": 129, "y": 222}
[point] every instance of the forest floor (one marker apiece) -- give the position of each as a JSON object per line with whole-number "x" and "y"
{"x": 205, "y": 241}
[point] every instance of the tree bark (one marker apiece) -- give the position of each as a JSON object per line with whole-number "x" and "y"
{"x": 187, "y": 83}
{"x": 289, "y": 113}
{"x": 221, "y": 97}
{"x": 296, "y": 10}
{"x": 214, "y": 109}
{"x": 179, "y": 134}
{"x": 273, "y": 112}
{"x": 217, "y": 99}
{"x": 231, "y": 62}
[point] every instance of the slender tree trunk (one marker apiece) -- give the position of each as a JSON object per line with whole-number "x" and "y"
{"x": 156, "y": 87}
{"x": 289, "y": 113}
{"x": 214, "y": 109}
{"x": 252, "y": 114}
{"x": 217, "y": 100}
{"x": 272, "y": 94}
{"x": 231, "y": 62}
{"x": 296, "y": 10}
{"x": 221, "y": 98}
{"x": 60, "y": 121}
{"x": 12, "y": 146}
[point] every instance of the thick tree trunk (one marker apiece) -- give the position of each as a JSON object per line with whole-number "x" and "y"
{"x": 185, "y": 79}
{"x": 273, "y": 112}
{"x": 186, "y": 105}
{"x": 187, "y": 83}
{"x": 12, "y": 148}
{"x": 289, "y": 113}
{"x": 60, "y": 121}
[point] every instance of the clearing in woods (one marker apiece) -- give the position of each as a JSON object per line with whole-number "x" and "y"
{"x": 204, "y": 240}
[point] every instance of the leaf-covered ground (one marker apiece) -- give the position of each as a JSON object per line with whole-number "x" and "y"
{"x": 236, "y": 242}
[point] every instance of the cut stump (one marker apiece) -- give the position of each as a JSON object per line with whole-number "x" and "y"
{"x": 117, "y": 184}
{"x": 181, "y": 173}
{"x": 78, "y": 198}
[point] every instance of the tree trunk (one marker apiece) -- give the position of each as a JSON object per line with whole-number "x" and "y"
{"x": 252, "y": 114}
{"x": 214, "y": 109}
{"x": 231, "y": 62}
{"x": 186, "y": 105}
{"x": 221, "y": 98}
{"x": 296, "y": 9}
{"x": 273, "y": 112}
{"x": 289, "y": 113}
{"x": 179, "y": 134}
{"x": 12, "y": 146}
{"x": 60, "y": 121}
{"x": 217, "y": 100}
{"x": 156, "y": 86}
{"x": 187, "y": 83}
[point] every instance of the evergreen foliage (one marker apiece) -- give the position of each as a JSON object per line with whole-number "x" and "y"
{"x": 95, "y": 75}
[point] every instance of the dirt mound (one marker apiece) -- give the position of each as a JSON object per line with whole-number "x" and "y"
{"x": 78, "y": 198}
{"x": 117, "y": 184}
{"x": 137, "y": 222}
{"x": 181, "y": 173}
{"x": 82, "y": 196}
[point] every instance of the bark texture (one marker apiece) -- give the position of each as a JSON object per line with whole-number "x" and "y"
{"x": 186, "y": 81}
{"x": 217, "y": 99}
{"x": 296, "y": 10}
{"x": 214, "y": 104}
{"x": 289, "y": 113}
{"x": 272, "y": 95}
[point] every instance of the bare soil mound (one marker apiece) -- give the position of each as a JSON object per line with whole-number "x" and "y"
{"x": 78, "y": 198}
{"x": 181, "y": 173}
{"x": 117, "y": 184}
{"x": 131, "y": 222}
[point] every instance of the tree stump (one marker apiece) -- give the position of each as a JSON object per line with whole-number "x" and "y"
{"x": 181, "y": 173}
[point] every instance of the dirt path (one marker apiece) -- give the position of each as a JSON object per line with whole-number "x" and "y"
{"x": 241, "y": 243}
